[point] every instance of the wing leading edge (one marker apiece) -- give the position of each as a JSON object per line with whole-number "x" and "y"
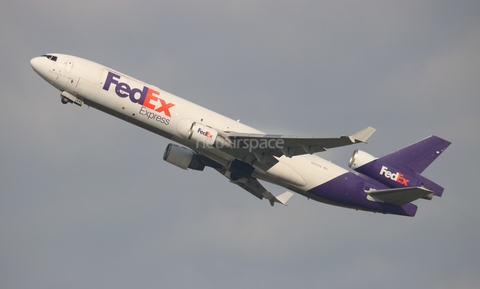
{"x": 278, "y": 145}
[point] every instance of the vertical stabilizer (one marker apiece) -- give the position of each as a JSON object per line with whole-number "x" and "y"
{"x": 402, "y": 169}
{"x": 418, "y": 156}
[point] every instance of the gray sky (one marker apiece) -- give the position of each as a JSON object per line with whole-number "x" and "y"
{"x": 86, "y": 200}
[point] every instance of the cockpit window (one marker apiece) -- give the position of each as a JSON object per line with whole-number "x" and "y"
{"x": 51, "y": 57}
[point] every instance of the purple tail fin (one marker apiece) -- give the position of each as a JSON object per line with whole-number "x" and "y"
{"x": 402, "y": 168}
{"x": 418, "y": 156}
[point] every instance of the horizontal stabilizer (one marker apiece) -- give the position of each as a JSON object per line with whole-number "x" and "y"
{"x": 400, "y": 196}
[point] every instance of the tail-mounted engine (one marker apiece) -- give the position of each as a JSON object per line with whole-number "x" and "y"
{"x": 204, "y": 136}
{"x": 359, "y": 158}
{"x": 183, "y": 157}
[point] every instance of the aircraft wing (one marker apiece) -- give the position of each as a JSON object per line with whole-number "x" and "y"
{"x": 253, "y": 186}
{"x": 278, "y": 145}
{"x": 400, "y": 196}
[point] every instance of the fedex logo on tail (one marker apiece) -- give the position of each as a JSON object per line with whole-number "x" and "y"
{"x": 397, "y": 177}
{"x": 146, "y": 96}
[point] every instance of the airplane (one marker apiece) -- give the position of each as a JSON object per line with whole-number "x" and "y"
{"x": 245, "y": 156}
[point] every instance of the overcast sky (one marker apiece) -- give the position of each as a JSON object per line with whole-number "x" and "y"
{"x": 86, "y": 200}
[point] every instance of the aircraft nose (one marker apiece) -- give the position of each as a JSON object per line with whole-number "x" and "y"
{"x": 35, "y": 63}
{"x": 40, "y": 67}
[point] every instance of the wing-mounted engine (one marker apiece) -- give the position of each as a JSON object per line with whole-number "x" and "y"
{"x": 183, "y": 157}
{"x": 204, "y": 136}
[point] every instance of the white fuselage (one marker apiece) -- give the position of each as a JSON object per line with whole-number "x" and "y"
{"x": 164, "y": 113}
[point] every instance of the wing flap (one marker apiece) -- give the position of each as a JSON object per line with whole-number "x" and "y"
{"x": 281, "y": 199}
{"x": 254, "y": 187}
{"x": 399, "y": 196}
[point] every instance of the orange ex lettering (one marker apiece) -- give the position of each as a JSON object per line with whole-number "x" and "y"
{"x": 147, "y": 97}
{"x": 397, "y": 177}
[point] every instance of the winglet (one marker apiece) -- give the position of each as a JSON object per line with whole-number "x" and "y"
{"x": 362, "y": 135}
{"x": 282, "y": 199}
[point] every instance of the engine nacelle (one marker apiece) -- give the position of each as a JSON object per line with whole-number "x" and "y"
{"x": 359, "y": 158}
{"x": 204, "y": 136}
{"x": 182, "y": 157}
